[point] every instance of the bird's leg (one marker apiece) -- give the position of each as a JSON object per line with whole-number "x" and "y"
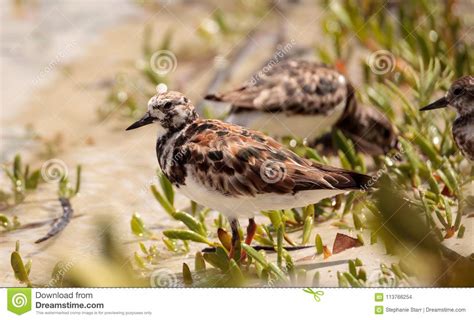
{"x": 235, "y": 250}
{"x": 251, "y": 229}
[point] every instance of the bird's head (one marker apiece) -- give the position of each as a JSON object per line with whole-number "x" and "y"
{"x": 459, "y": 96}
{"x": 171, "y": 110}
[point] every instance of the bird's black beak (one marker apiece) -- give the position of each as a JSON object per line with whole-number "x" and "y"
{"x": 146, "y": 119}
{"x": 440, "y": 103}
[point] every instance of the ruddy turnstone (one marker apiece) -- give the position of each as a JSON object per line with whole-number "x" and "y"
{"x": 234, "y": 170}
{"x": 305, "y": 99}
{"x": 461, "y": 97}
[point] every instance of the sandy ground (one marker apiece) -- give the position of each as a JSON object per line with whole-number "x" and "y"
{"x": 118, "y": 166}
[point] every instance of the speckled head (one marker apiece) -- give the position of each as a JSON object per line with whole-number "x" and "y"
{"x": 459, "y": 96}
{"x": 172, "y": 110}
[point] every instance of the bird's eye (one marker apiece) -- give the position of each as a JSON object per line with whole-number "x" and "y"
{"x": 457, "y": 91}
{"x": 167, "y": 105}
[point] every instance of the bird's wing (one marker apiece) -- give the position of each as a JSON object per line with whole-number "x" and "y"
{"x": 236, "y": 161}
{"x": 292, "y": 86}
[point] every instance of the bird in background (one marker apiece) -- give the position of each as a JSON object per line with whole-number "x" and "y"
{"x": 306, "y": 99}
{"x": 460, "y": 96}
{"x": 236, "y": 171}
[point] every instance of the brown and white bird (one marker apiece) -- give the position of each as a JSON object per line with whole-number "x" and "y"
{"x": 234, "y": 170}
{"x": 305, "y": 99}
{"x": 460, "y": 96}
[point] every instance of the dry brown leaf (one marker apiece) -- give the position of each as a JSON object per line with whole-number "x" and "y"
{"x": 344, "y": 242}
{"x": 450, "y": 232}
{"x": 224, "y": 238}
{"x": 326, "y": 252}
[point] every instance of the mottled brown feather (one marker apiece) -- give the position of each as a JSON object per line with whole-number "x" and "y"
{"x": 291, "y": 86}
{"x": 238, "y": 156}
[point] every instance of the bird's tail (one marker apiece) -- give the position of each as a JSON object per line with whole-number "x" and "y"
{"x": 363, "y": 182}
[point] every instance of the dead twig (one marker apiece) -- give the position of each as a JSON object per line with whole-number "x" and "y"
{"x": 61, "y": 222}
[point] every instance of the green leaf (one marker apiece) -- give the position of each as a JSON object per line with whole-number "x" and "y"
{"x": 362, "y": 274}
{"x": 312, "y": 154}
{"x": 275, "y": 218}
{"x": 257, "y": 256}
{"x": 199, "y": 262}
{"x": 193, "y": 207}
{"x": 139, "y": 261}
{"x": 348, "y": 204}
{"x": 346, "y": 146}
{"x": 143, "y": 248}
{"x": 170, "y": 244}
{"x": 138, "y": 226}
{"x": 411, "y": 156}
{"x": 78, "y": 179}
{"x": 342, "y": 280}
{"x": 278, "y": 272}
{"x": 21, "y": 273}
{"x": 263, "y": 241}
{"x": 316, "y": 279}
{"x": 307, "y": 228}
{"x": 449, "y": 215}
{"x": 235, "y": 273}
{"x": 4, "y": 222}
{"x": 218, "y": 259}
{"x": 162, "y": 200}
{"x": 358, "y": 221}
{"x": 280, "y": 235}
{"x": 461, "y": 231}
{"x": 17, "y": 173}
{"x": 308, "y": 211}
{"x": 187, "y": 276}
{"x": 319, "y": 244}
{"x": 448, "y": 177}
{"x": 167, "y": 188}
{"x": 186, "y": 235}
{"x": 428, "y": 149}
{"x": 346, "y": 164}
{"x": 434, "y": 185}
{"x": 373, "y": 237}
{"x": 28, "y": 265}
{"x": 33, "y": 180}
{"x": 360, "y": 238}
{"x": 191, "y": 222}
{"x": 352, "y": 280}
{"x": 352, "y": 268}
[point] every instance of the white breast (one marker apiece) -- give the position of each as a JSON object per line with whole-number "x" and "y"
{"x": 281, "y": 125}
{"x": 246, "y": 206}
